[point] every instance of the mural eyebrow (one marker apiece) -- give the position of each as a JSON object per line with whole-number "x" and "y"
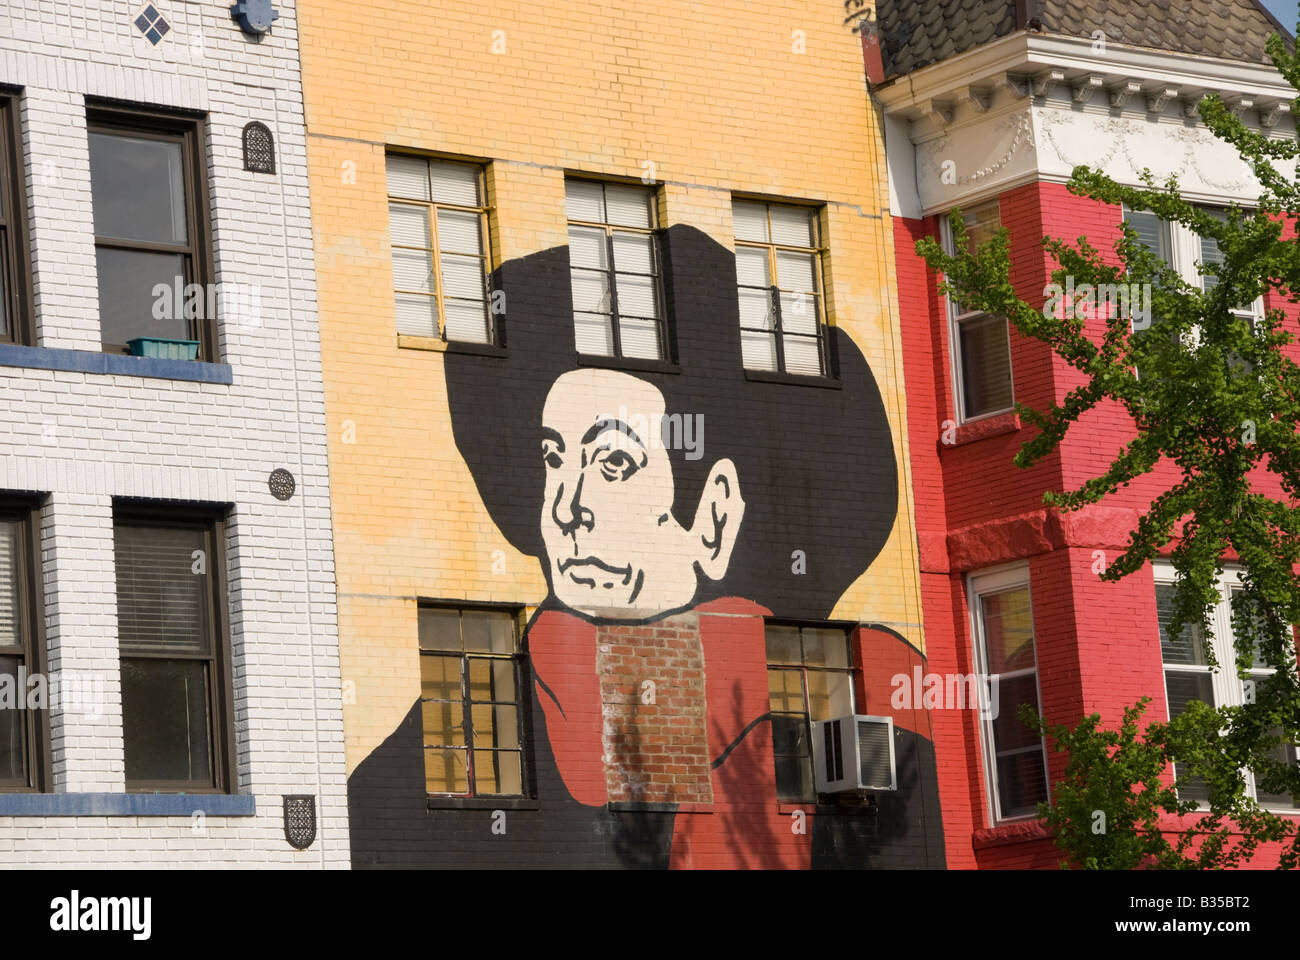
{"x": 600, "y": 426}
{"x": 549, "y": 434}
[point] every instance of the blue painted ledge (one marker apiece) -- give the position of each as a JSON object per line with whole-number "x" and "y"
{"x": 126, "y": 804}
{"x": 88, "y": 361}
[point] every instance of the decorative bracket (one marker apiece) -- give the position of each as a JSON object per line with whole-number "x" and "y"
{"x": 1121, "y": 93}
{"x": 1270, "y": 115}
{"x": 939, "y": 111}
{"x": 978, "y": 98}
{"x": 1038, "y": 85}
{"x": 1160, "y": 97}
{"x": 1086, "y": 87}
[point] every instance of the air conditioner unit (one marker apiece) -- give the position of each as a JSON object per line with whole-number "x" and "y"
{"x": 854, "y": 753}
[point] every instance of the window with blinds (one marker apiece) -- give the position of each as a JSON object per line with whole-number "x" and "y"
{"x": 174, "y": 663}
{"x": 439, "y": 230}
{"x": 779, "y": 283}
{"x": 982, "y": 343}
{"x": 472, "y": 679}
{"x": 1005, "y": 650}
{"x": 23, "y": 735}
{"x": 15, "y": 309}
{"x": 1189, "y": 677}
{"x": 615, "y": 270}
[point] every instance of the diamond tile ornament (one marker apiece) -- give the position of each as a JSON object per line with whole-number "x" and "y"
{"x": 152, "y": 24}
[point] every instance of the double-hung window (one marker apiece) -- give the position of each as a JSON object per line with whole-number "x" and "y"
{"x": 615, "y": 270}
{"x": 809, "y": 679}
{"x": 15, "y": 299}
{"x": 1015, "y": 756}
{"x": 779, "y": 283}
{"x": 473, "y": 680}
{"x": 174, "y": 648}
{"x": 23, "y": 727}
{"x": 148, "y": 189}
{"x": 439, "y": 229}
{"x": 1188, "y": 676}
{"x": 981, "y": 344}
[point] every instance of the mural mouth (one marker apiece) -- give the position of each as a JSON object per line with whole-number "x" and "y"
{"x": 589, "y": 570}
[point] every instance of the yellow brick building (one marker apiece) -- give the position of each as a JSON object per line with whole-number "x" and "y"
{"x": 701, "y": 105}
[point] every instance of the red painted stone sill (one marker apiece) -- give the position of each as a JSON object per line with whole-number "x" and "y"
{"x": 1021, "y": 831}
{"x": 975, "y": 430}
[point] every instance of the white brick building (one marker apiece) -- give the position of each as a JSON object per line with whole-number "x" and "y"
{"x": 248, "y": 648}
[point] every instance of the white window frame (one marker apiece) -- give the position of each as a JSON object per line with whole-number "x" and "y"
{"x": 955, "y": 319}
{"x": 978, "y": 585}
{"x": 1224, "y": 682}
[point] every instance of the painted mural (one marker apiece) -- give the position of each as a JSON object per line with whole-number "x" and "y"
{"x": 680, "y": 513}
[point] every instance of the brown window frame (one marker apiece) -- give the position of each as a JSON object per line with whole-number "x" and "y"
{"x": 15, "y": 265}
{"x": 220, "y": 699}
{"x": 31, "y": 599}
{"x": 191, "y": 133}
{"x": 522, "y": 702}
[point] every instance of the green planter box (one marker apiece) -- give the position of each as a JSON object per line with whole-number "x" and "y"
{"x": 163, "y": 349}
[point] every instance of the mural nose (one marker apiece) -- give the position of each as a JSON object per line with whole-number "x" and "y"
{"x": 569, "y": 513}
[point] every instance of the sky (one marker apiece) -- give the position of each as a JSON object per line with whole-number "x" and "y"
{"x": 1284, "y": 10}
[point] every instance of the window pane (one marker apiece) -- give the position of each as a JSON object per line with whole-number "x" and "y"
{"x": 633, "y": 253}
{"x": 440, "y": 678}
{"x": 985, "y": 365}
{"x": 5, "y": 331}
{"x": 783, "y": 645}
{"x": 981, "y": 223}
{"x": 11, "y": 630}
{"x": 823, "y": 647}
{"x": 756, "y": 309}
{"x": 138, "y": 188}
{"x": 628, "y": 206}
{"x": 462, "y": 277}
{"x": 13, "y": 743}
{"x": 1008, "y": 630}
{"x": 161, "y": 602}
{"x": 1153, "y": 233}
{"x": 830, "y": 694}
{"x": 1009, "y": 732}
{"x": 467, "y": 321}
{"x": 639, "y": 338}
{"x": 443, "y": 723}
{"x": 408, "y": 177}
{"x": 752, "y": 267}
{"x": 584, "y": 200}
{"x": 417, "y": 315}
{"x": 497, "y": 772}
{"x": 459, "y": 232}
{"x": 593, "y": 333}
{"x": 1022, "y": 783}
{"x": 796, "y": 271}
{"x": 445, "y": 771}
{"x": 413, "y": 271}
{"x": 165, "y": 720}
{"x": 496, "y": 725}
{"x": 590, "y": 291}
{"x": 785, "y": 691}
{"x": 758, "y": 350}
{"x": 792, "y": 226}
{"x": 439, "y": 629}
{"x": 1186, "y": 649}
{"x": 587, "y": 248}
{"x": 749, "y": 221}
{"x": 803, "y": 356}
{"x": 127, "y": 298}
{"x": 799, "y": 313}
{"x": 1285, "y": 753}
{"x": 790, "y": 736}
{"x": 489, "y": 631}
{"x": 454, "y": 183}
{"x": 637, "y": 296}
{"x": 794, "y": 778}
{"x": 1183, "y": 687}
{"x": 408, "y": 225}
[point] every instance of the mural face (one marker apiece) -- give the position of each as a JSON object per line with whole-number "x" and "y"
{"x": 613, "y": 547}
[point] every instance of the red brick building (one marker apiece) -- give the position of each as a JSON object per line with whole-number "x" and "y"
{"x": 989, "y": 105}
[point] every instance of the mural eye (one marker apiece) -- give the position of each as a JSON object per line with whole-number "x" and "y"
{"x": 618, "y": 465}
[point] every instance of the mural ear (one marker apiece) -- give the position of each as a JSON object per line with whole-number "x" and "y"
{"x": 718, "y": 518}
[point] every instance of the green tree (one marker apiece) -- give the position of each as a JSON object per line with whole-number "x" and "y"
{"x": 1219, "y": 398}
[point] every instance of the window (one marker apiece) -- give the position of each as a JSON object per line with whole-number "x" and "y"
{"x": 149, "y": 193}
{"x": 1015, "y": 757}
{"x": 1188, "y": 677}
{"x": 172, "y": 640}
{"x": 981, "y": 344}
{"x": 472, "y": 674}
{"x": 23, "y": 733}
{"x": 15, "y": 296}
{"x": 779, "y": 280}
{"x": 809, "y": 679}
{"x": 614, "y": 262}
{"x": 438, "y": 220}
